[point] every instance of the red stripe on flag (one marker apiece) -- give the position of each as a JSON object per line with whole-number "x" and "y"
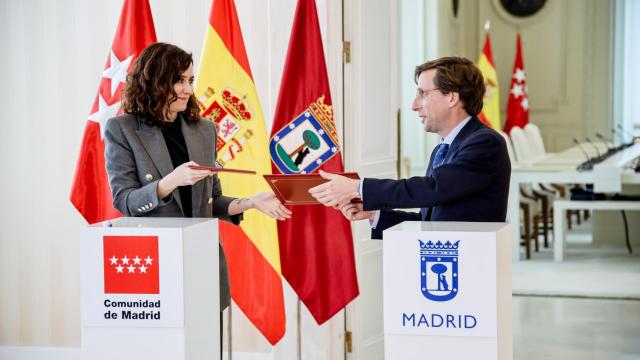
{"x": 257, "y": 290}
{"x": 228, "y": 28}
{"x": 487, "y": 50}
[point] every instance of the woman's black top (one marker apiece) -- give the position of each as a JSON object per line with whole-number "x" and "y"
{"x": 179, "y": 155}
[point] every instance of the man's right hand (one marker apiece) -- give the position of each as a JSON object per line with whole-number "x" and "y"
{"x": 355, "y": 212}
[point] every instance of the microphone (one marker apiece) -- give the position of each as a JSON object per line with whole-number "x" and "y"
{"x": 620, "y": 128}
{"x": 594, "y": 146}
{"x": 603, "y": 139}
{"x": 587, "y": 165}
{"x": 619, "y": 135}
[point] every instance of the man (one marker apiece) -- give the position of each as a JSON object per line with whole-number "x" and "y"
{"x": 468, "y": 175}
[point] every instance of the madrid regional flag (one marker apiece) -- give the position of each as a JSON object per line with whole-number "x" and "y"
{"x": 227, "y": 96}
{"x": 131, "y": 265}
{"x": 490, "y": 114}
{"x": 518, "y": 104}
{"x": 316, "y": 245}
{"x": 90, "y": 192}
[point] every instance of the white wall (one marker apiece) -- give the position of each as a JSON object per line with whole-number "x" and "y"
{"x": 54, "y": 52}
{"x": 630, "y": 114}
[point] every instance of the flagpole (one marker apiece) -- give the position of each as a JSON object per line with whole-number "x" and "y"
{"x": 299, "y": 331}
{"x": 229, "y": 350}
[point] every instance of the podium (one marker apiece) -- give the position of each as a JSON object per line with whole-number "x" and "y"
{"x": 447, "y": 291}
{"x": 149, "y": 289}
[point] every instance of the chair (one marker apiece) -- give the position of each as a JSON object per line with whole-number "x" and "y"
{"x": 528, "y": 206}
{"x": 527, "y": 152}
{"x": 536, "y": 145}
{"x": 534, "y": 137}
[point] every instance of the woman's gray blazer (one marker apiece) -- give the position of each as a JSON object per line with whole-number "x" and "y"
{"x": 137, "y": 158}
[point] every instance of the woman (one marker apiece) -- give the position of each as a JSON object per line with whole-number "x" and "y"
{"x": 150, "y": 151}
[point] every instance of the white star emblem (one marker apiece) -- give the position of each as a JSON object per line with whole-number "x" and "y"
{"x": 525, "y": 104}
{"x": 516, "y": 90}
{"x": 321, "y": 132}
{"x": 143, "y": 269}
{"x": 136, "y": 260}
{"x": 292, "y": 126}
{"x": 132, "y": 269}
{"x": 125, "y": 260}
{"x": 334, "y": 149}
{"x": 307, "y": 114}
{"x": 519, "y": 75}
{"x": 114, "y": 260}
{"x": 104, "y": 113}
{"x": 117, "y": 71}
{"x": 319, "y": 161}
{"x": 276, "y": 138}
{"x": 119, "y": 268}
{"x": 148, "y": 260}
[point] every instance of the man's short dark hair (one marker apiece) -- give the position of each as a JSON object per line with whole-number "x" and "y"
{"x": 457, "y": 74}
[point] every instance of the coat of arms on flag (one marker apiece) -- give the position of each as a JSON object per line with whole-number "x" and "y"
{"x": 228, "y": 118}
{"x": 307, "y": 142}
{"x": 131, "y": 265}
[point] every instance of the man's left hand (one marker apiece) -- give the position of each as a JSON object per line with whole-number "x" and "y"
{"x": 336, "y": 192}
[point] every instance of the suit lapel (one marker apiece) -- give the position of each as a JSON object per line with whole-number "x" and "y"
{"x": 430, "y": 166}
{"x": 153, "y": 141}
{"x": 197, "y": 145}
{"x": 468, "y": 129}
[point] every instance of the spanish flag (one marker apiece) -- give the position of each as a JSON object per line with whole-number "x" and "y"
{"x": 490, "y": 114}
{"x": 227, "y": 96}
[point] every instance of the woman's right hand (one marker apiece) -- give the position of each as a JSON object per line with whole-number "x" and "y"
{"x": 183, "y": 175}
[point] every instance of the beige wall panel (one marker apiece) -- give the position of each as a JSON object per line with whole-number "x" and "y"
{"x": 567, "y": 57}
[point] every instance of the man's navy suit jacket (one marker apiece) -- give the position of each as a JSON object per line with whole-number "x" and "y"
{"x": 471, "y": 185}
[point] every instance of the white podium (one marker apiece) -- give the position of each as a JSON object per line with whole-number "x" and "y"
{"x": 447, "y": 291}
{"x": 149, "y": 289}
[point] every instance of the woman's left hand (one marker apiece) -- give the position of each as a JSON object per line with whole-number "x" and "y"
{"x": 268, "y": 203}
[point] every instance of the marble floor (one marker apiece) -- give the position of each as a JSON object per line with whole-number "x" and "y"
{"x": 575, "y": 328}
{"x": 586, "y": 307}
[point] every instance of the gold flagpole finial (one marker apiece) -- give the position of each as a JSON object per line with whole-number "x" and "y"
{"x": 487, "y": 25}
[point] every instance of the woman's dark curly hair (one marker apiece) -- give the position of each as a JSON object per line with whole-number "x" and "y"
{"x": 149, "y": 89}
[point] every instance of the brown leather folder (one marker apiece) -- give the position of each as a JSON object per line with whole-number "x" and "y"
{"x": 294, "y": 189}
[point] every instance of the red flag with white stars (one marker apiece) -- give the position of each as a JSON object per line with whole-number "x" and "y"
{"x": 131, "y": 265}
{"x": 90, "y": 192}
{"x": 518, "y": 105}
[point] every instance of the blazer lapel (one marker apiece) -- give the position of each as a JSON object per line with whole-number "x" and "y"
{"x": 468, "y": 129}
{"x": 153, "y": 141}
{"x": 197, "y": 143}
{"x": 197, "y": 146}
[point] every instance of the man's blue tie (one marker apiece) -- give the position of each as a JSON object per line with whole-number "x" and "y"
{"x": 438, "y": 160}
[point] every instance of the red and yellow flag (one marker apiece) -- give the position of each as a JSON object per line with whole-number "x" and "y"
{"x": 227, "y": 95}
{"x": 316, "y": 243}
{"x": 490, "y": 114}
